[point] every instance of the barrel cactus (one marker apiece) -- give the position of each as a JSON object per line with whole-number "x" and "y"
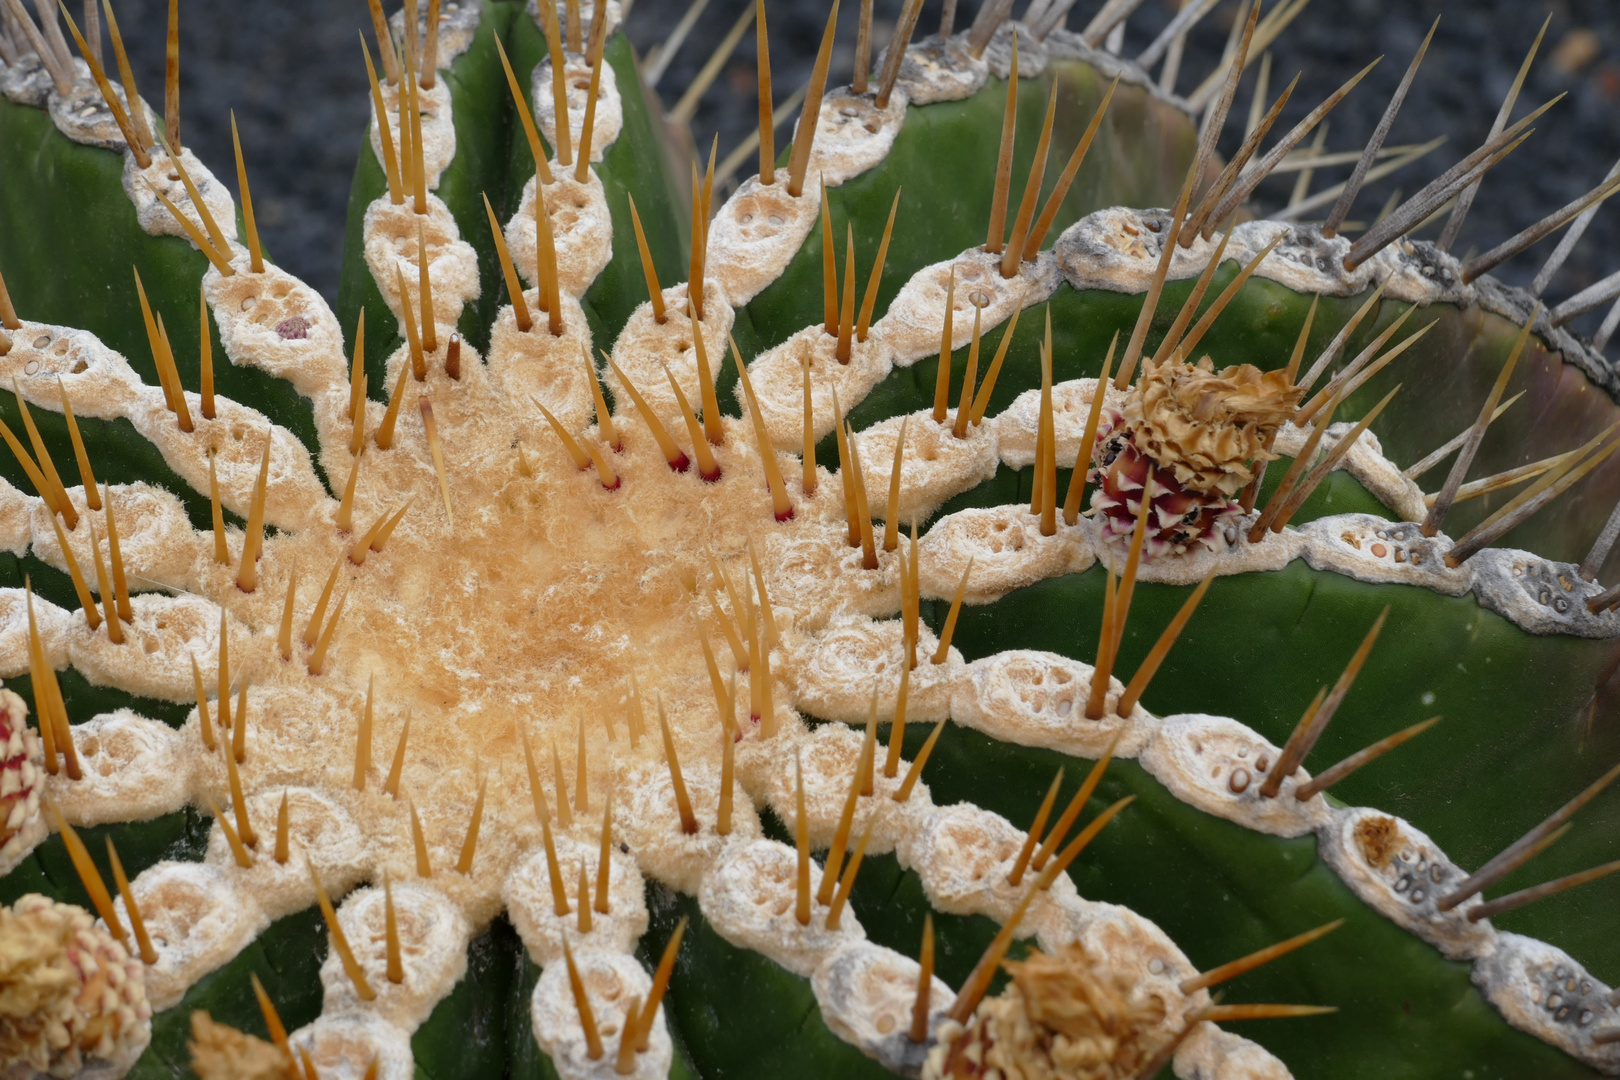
{"x": 867, "y": 623}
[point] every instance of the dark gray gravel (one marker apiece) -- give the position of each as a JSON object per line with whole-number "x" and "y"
{"x": 291, "y": 70}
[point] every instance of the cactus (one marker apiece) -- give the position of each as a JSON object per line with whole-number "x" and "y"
{"x": 636, "y": 637}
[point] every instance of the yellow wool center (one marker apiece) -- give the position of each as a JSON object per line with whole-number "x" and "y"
{"x": 528, "y": 614}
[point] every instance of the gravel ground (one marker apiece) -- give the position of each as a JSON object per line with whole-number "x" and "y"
{"x": 291, "y": 71}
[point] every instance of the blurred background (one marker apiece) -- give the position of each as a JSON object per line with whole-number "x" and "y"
{"x": 291, "y": 70}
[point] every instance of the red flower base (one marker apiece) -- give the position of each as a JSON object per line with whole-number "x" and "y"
{"x": 1178, "y": 518}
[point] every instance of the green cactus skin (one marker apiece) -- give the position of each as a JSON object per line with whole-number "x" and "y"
{"x": 483, "y": 115}
{"x": 1161, "y": 150}
{"x": 1517, "y": 705}
{"x": 61, "y": 180}
{"x": 501, "y": 166}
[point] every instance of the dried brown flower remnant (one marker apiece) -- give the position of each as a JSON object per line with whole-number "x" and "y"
{"x": 35, "y": 979}
{"x": 1065, "y": 1017}
{"x": 1378, "y": 837}
{"x": 220, "y": 1052}
{"x": 1208, "y": 426}
{"x": 69, "y": 993}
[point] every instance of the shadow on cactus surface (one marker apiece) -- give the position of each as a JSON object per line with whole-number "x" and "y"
{"x": 884, "y": 620}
